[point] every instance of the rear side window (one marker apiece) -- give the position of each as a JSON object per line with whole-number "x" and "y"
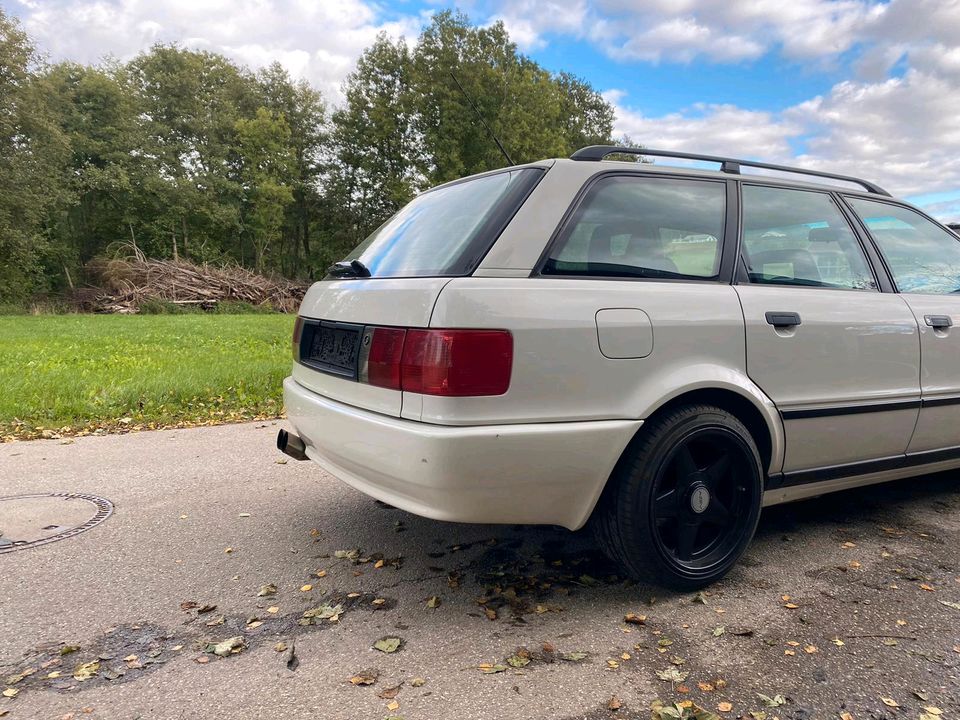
{"x": 447, "y": 231}
{"x": 649, "y": 227}
{"x": 797, "y": 237}
{"x": 923, "y": 257}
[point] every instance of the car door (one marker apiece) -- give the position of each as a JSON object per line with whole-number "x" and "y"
{"x": 836, "y": 355}
{"x": 924, "y": 261}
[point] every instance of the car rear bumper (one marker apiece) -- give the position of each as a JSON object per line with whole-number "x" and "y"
{"x": 539, "y": 473}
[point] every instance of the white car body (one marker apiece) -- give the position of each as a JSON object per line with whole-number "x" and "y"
{"x": 863, "y": 390}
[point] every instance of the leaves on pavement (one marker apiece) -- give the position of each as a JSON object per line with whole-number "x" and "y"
{"x": 388, "y": 644}
{"x": 365, "y": 677}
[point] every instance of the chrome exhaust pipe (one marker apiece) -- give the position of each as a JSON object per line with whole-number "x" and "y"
{"x": 292, "y": 445}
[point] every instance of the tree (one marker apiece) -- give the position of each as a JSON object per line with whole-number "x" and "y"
{"x": 305, "y": 112}
{"x": 266, "y": 171}
{"x": 32, "y": 151}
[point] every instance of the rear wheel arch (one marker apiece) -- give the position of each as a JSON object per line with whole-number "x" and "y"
{"x": 761, "y": 425}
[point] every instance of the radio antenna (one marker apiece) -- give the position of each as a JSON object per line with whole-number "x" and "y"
{"x": 482, "y": 121}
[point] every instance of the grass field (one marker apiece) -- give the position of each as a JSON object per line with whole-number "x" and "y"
{"x": 74, "y": 374}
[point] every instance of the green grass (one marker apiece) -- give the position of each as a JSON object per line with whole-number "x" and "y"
{"x": 85, "y": 372}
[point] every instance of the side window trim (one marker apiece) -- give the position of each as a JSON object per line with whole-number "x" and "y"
{"x": 570, "y": 215}
{"x": 742, "y": 276}
{"x": 861, "y": 225}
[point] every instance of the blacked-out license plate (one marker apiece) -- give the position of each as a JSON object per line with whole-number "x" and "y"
{"x": 335, "y": 348}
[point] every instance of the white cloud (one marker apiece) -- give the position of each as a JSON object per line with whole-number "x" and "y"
{"x": 319, "y": 40}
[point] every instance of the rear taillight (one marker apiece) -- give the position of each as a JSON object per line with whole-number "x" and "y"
{"x": 457, "y": 363}
{"x": 383, "y": 348}
{"x": 297, "y": 330}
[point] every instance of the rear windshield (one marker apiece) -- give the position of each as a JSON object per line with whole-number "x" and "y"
{"x": 446, "y": 231}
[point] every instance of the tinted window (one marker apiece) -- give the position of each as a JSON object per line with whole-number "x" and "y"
{"x": 794, "y": 237}
{"x": 644, "y": 227}
{"x": 923, "y": 257}
{"x": 448, "y": 230}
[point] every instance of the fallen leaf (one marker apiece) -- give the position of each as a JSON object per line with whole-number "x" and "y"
{"x": 67, "y": 649}
{"x": 230, "y": 646}
{"x": 490, "y": 613}
{"x": 131, "y": 658}
{"x": 791, "y": 606}
{"x": 672, "y": 674}
{"x": 933, "y": 710}
{"x": 490, "y": 669}
{"x": 718, "y": 631}
{"x": 775, "y": 701}
{"x": 635, "y": 619}
{"x": 203, "y": 660}
{"x": 418, "y": 682}
{"x": 216, "y": 621}
{"x": 85, "y": 671}
{"x": 724, "y": 707}
{"x": 949, "y": 604}
{"x": 10, "y": 692}
{"x": 925, "y": 586}
{"x": 890, "y": 702}
{"x": 810, "y": 649}
{"x": 205, "y": 609}
{"x": 378, "y": 601}
{"x": 614, "y": 703}
{"x": 254, "y": 624}
{"x": 390, "y": 693}
{"x": 268, "y": 589}
{"x": 838, "y": 642}
{"x": 306, "y": 588}
{"x": 321, "y": 573}
{"x": 391, "y": 706}
{"x": 280, "y": 646}
{"x": 576, "y": 656}
{"x": 346, "y": 554}
{"x": 228, "y": 550}
{"x": 388, "y": 644}
{"x": 330, "y": 613}
{"x": 846, "y": 716}
{"x": 378, "y": 564}
{"x": 705, "y": 686}
{"x": 848, "y": 545}
{"x": 518, "y": 661}
{"x": 244, "y": 515}
{"x": 273, "y": 609}
{"x": 433, "y": 601}
{"x": 921, "y": 695}
{"x": 700, "y": 597}
{"x": 364, "y": 677}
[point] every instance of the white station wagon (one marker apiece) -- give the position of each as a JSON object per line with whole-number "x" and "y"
{"x": 658, "y": 350}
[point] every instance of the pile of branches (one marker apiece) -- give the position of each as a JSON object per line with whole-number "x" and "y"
{"x": 124, "y": 284}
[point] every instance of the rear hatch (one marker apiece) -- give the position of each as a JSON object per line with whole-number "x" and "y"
{"x": 442, "y": 234}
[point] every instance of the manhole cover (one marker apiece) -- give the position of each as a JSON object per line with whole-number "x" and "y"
{"x": 31, "y": 520}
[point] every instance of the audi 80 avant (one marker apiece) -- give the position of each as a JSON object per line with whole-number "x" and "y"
{"x": 661, "y": 351}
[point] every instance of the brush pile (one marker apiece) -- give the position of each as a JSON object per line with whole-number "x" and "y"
{"x": 123, "y": 285}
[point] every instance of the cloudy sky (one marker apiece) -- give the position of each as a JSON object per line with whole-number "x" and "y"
{"x": 856, "y": 86}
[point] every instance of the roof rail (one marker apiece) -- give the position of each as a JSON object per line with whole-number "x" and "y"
{"x": 727, "y": 165}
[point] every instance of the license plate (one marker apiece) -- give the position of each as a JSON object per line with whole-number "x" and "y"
{"x": 334, "y": 348}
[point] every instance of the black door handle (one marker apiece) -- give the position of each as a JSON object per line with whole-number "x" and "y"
{"x": 783, "y": 319}
{"x": 938, "y": 322}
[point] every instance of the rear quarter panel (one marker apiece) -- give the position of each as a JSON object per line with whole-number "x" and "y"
{"x": 559, "y": 373}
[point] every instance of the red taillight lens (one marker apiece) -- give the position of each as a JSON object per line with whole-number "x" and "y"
{"x": 297, "y": 330}
{"x": 457, "y": 362}
{"x": 383, "y": 361}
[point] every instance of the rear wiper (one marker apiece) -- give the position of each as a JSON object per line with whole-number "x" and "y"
{"x": 349, "y": 268}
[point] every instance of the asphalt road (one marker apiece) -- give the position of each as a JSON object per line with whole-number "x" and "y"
{"x": 867, "y": 575}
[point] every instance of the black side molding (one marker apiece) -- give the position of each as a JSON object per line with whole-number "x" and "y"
{"x": 833, "y": 472}
{"x": 849, "y": 409}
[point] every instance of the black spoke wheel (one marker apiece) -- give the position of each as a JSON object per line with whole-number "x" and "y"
{"x": 684, "y": 501}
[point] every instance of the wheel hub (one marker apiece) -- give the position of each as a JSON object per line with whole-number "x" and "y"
{"x": 698, "y": 498}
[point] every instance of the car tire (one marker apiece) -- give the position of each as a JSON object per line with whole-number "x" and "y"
{"x": 683, "y": 502}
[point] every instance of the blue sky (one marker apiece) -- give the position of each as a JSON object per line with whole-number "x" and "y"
{"x": 864, "y": 87}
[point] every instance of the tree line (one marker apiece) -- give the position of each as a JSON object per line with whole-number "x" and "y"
{"x": 185, "y": 154}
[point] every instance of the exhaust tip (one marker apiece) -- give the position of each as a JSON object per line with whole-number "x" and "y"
{"x": 291, "y": 445}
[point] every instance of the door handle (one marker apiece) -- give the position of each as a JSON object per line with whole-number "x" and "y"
{"x": 783, "y": 319}
{"x": 938, "y": 322}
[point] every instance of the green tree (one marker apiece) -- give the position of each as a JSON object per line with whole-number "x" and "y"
{"x": 267, "y": 165}
{"x": 305, "y": 112}
{"x": 32, "y": 152}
